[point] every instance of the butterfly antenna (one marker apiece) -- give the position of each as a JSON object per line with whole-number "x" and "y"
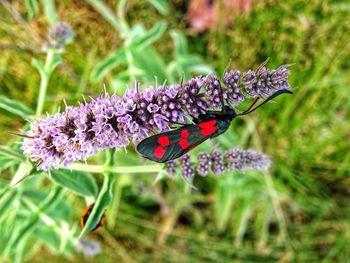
{"x": 251, "y": 106}
{"x": 250, "y": 109}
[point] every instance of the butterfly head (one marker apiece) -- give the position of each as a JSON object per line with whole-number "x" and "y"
{"x": 231, "y": 114}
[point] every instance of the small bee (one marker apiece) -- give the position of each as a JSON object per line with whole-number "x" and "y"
{"x": 85, "y": 216}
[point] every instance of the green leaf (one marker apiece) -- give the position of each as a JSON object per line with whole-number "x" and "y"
{"x": 103, "y": 200}
{"x": 32, "y": 7}
{"x": 14, "y": 107}
{"x": 135, "y": 32}
{"x": 24, "y": 170}
{"x": 5, "y": 233}
{"x": 50, "y": 11}
{"x": 79, "y": 182}
{"x": 151, "y": 36}
{"x": 5, "y": 188}
{"x": 152, "y": 64}
{"x": 52, "y": 240}
{"x": 5, "y": 163}
{"x": 30, "y": 223}
{"x": 201, "y": 69}
{"x": 54, "y": 60}
{"x": 10, "y": 153}
{"x": 161, "y": 6}
{"x": 39, "y": 65}
{"x": 107, "y": 13}
{"x": 244, "y": 212}
{"x": 107, "y": 64}
{"x": 189, "y": 60}
{"x": 6, "y": 202}
{"x": 180, "y": 43}
{"x": 224, "y": 202}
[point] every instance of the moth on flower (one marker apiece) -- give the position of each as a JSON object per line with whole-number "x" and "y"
{"x": 112, "y": 121}
{"x": 173, "y": 144}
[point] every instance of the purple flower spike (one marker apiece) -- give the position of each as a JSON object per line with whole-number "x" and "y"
{"x": 241, "y": 160}
{"x": 112, "y": 121}
{"x": 170, "y": 167}
{"x": 263, "y": 82}
{"x": 217, "y": 165}
{"x": 213, "y": 92}
{"x": 105, "y": 122}
{"x": 187, "y": 170}
{"x": 169, "y": 103}
{"x": 191, "y": 98}
{"x": 236, "y": 159}
{"x": 233, "y": 93}
{"x": 279, "y": 78}
{"x": 203, "y": 163}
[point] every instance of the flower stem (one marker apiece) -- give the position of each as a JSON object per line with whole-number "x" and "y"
{"x": 112, "y": 169}
{"x": 45, "y": 76}
{"x": 275, "y": 199}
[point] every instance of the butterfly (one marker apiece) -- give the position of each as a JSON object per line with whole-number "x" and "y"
{"x": 173, "y": 144}
{"x": 85, "y": 216}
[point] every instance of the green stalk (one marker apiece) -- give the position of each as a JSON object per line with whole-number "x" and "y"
{"x": 276, "y": 206}
{"x": 50, "y": 64}
{"x": 107, "y": 14}
{"x": 114, "y": 169}
{"x": 121, "y": 16}
{"x": 114, "y": 206}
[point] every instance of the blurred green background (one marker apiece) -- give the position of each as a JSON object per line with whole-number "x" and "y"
{"x": 299, "y": 212}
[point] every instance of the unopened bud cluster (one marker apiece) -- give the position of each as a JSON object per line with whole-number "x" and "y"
{"x": 217, "y": 162}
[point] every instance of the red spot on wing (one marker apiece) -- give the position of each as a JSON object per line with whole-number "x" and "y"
{"x": 183, "y": 143}
{"x": 184, "y": 134}
{"x": 207, "y": 124}
{"x": 163, "y": 140}
{"x": 159, "y": 152}
{"x": 208, "y": 131}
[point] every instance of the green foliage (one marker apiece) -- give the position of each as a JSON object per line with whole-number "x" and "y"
{"x": 50, "y": 11}
{"x": 79, "y": 182}
{"x": 24, "y": 170}
{"x": 103, "y": 200}
{"x": 107, "y": 64}
{"x": 32, "y": 7}
{"x": 160, "y": 5}
{"x": 10, "y": 153}
{"x": 14, "y": 107}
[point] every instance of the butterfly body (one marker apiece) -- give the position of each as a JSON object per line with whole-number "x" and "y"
{"x": 85, "y": 216}
{"x": 173, "y": 144}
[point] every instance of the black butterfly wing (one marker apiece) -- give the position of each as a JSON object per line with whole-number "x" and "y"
{"x": 173, "y": 144}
